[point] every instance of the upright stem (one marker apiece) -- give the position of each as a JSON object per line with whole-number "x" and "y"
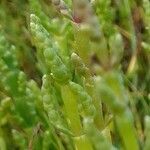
{"x": 71, "y": 108}
{"x": 127, "y": 131}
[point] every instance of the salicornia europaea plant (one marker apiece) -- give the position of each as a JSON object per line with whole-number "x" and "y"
{"x": 74, "y": 75}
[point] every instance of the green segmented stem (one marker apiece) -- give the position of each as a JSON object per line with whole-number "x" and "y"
{"x": 48, "y": 52}
{"x": 71, "y": 108}
{"x": 112, "y": 97}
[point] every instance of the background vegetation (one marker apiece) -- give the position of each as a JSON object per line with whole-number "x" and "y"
{"x": 74, "y": 74}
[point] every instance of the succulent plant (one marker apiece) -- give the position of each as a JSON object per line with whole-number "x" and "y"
{"x": 74, "y": 75}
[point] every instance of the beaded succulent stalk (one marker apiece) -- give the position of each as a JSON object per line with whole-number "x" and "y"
{"x": 74, "y": 75}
